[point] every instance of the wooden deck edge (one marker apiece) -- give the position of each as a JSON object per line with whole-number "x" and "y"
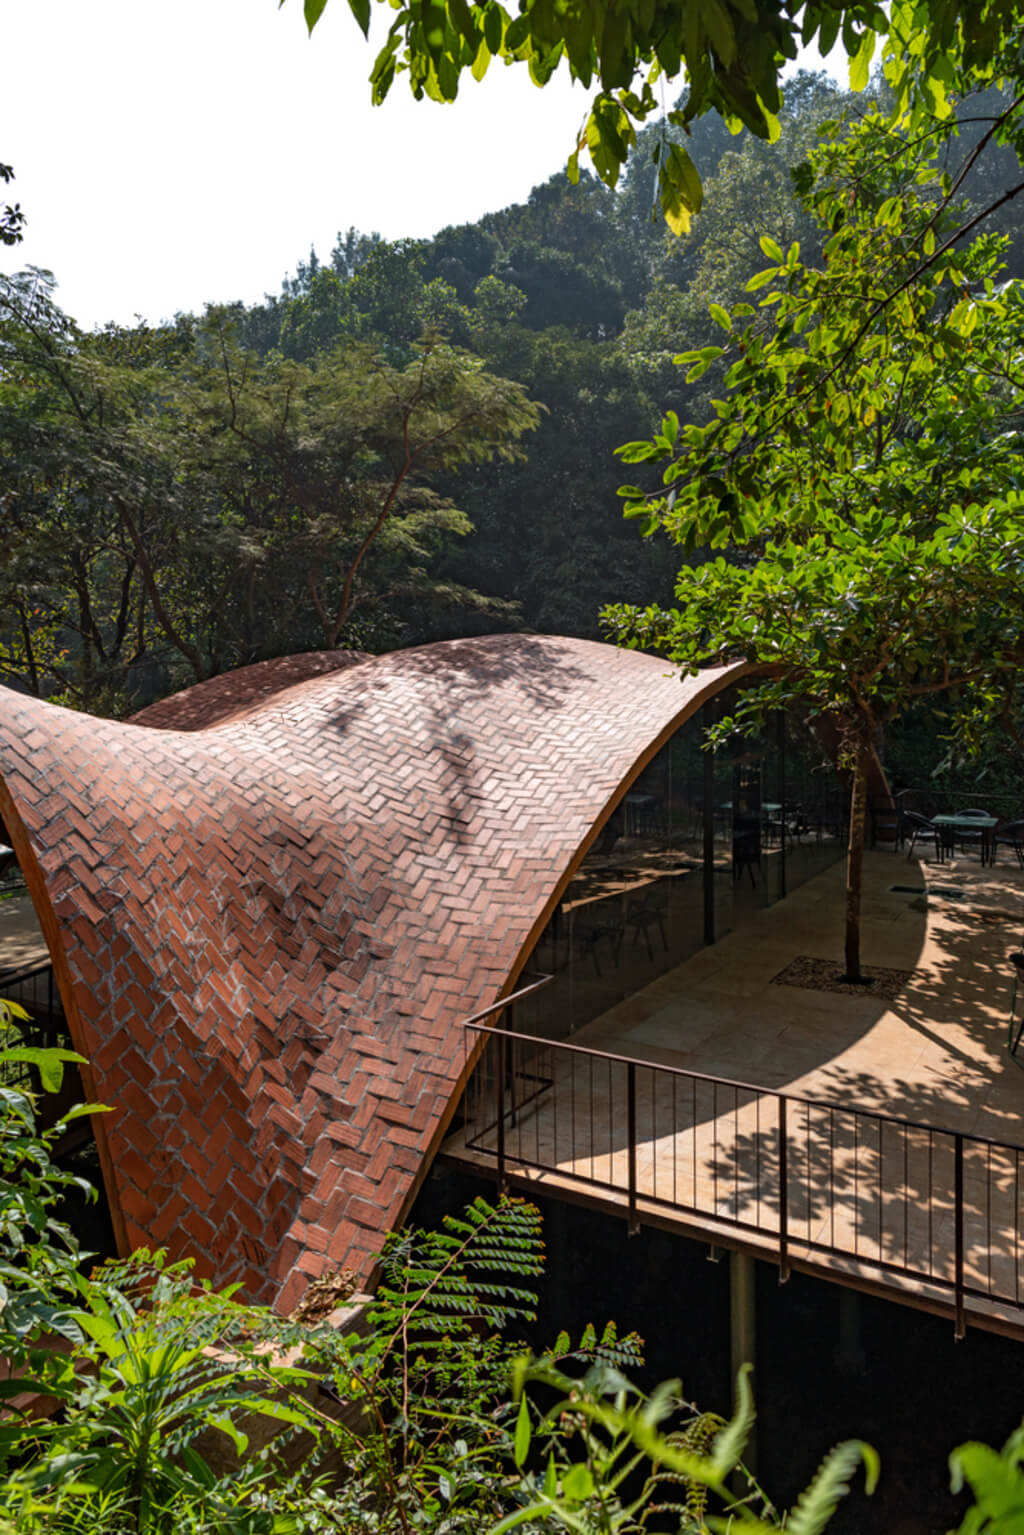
{"x": 854, "y": 1274}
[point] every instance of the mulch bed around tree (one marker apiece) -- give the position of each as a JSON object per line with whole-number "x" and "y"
{"x": 826, "y": 975}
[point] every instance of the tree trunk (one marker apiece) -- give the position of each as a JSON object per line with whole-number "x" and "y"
{"x": 855, "y": 862}
{"x": 160, "y": 613}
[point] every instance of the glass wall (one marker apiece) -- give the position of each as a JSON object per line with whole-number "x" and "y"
{"x": 699, "y": 841}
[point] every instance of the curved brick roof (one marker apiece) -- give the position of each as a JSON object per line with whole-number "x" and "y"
{"x": 227, "y": 697}
{"x": 268, "y": 933}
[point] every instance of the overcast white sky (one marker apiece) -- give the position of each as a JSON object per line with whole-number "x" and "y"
{"x": 174, "y": 152}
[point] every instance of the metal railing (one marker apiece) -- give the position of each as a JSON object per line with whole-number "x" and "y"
{"x": 894, "y": 1196}
{"x": 33, "y": 987}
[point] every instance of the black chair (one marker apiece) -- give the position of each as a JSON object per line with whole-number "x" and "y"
{"x": 920, "y": 826}
{"x": 746, "y": 848}
{"x": 1010, "y": 835}
{"x": 966, "y": 838}
{"x": 588, "y": 933}
{"x": 646, "y": 913}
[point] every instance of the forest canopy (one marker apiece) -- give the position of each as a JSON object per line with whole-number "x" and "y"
{"x": 187, "y": 498}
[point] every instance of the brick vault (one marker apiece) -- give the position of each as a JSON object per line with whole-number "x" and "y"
{"x": 270, "y": 902}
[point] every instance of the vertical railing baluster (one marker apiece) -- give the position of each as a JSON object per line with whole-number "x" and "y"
{"x": 1016, "y": 1227}
{"x": 960, "y": 1325}
{"x": 807, "y": 1166}
{"x": 757, "y": 1160}
{"x": 511, "y": 1026}
{"x": 675, "y": 1142}
{"x": 931, "y": 1202}
{"x": 572, "y": 1106}
{"x": 735, "y": 1156}
{"x": 832, "y": 1176}
{"x": 783, "y": 1194}
{"x": 714, "y": 1148}
{"x": 693, "y": 1140}
{"x": 881, "y": 1191}
{"x": 500, "y": 1097}
{"x": 906, "y": 1200}
{"x": 856, "y": 1191}
{"x": 631, "y": 1130}
{"x": 590, "y": 1114}
{"x": 988, "y": 1222}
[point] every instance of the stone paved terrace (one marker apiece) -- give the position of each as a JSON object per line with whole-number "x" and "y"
{"x": 935, "y": 1055}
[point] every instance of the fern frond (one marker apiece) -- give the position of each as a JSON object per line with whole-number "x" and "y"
{"x": 730, "y": 1443}
{"x": 820, "y": 1500}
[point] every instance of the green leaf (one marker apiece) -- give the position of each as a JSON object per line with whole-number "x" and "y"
{"x": 718, "y": 25}
{"x": 48, "y": 1062}
{"x": 103, "y": 1332}
{"x": 860, "y": 64}
{"x": 731, "y": 1441}
{"x": 222, "y": 1421}
{"x": 772, "y": 248}
{"x": 578, "y": 1483}
{"x": 81, "y": 1109}
{"x": 359, "y": 8}
{"x": 494, "y": 26}
{"x": 681, "y": 193}
{"x": 524, "y": 1432}
{"x": 638, "y": 452}
{"x": 314, "y": 9}
{"x": 720, "y": 316}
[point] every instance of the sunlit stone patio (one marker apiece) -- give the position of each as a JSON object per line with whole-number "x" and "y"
{"x": 865, "y": 1196}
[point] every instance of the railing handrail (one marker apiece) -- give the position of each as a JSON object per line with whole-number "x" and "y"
{"x": 498, "y": 1007}
{"x": 954, "y": 795}
{"x": 760, "y": 1089}
{"x": 15, "y": 977}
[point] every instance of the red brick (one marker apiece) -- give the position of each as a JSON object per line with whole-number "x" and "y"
{"x": 297, "y": 896}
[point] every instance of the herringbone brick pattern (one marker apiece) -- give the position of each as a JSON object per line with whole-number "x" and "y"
{"x": 233, "y": 694}
{"x": 275, "y": 927}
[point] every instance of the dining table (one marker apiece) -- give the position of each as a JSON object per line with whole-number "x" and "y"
{"x": 949, "y": 825}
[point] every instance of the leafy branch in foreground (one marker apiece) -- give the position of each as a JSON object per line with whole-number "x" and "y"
{"x": 610, "y": 1453}
{"x": 39, "y": 1254}
{"x": 732, "y": 53}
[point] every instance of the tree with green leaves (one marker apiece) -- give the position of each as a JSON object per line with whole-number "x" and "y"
{"x": 731, "y": 52}
{"x": 863, "y": 474}
{"x": 178, "y": 504}
{"x": 327, "y": 470}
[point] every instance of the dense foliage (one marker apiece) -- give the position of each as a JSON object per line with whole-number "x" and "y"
{"x": 862, "y": 473}
{"x": 184, "y": 1412}
{"x": 183, "y": 499}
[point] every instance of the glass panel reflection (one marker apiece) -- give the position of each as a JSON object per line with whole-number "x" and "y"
{"x": 699, "y": 842}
